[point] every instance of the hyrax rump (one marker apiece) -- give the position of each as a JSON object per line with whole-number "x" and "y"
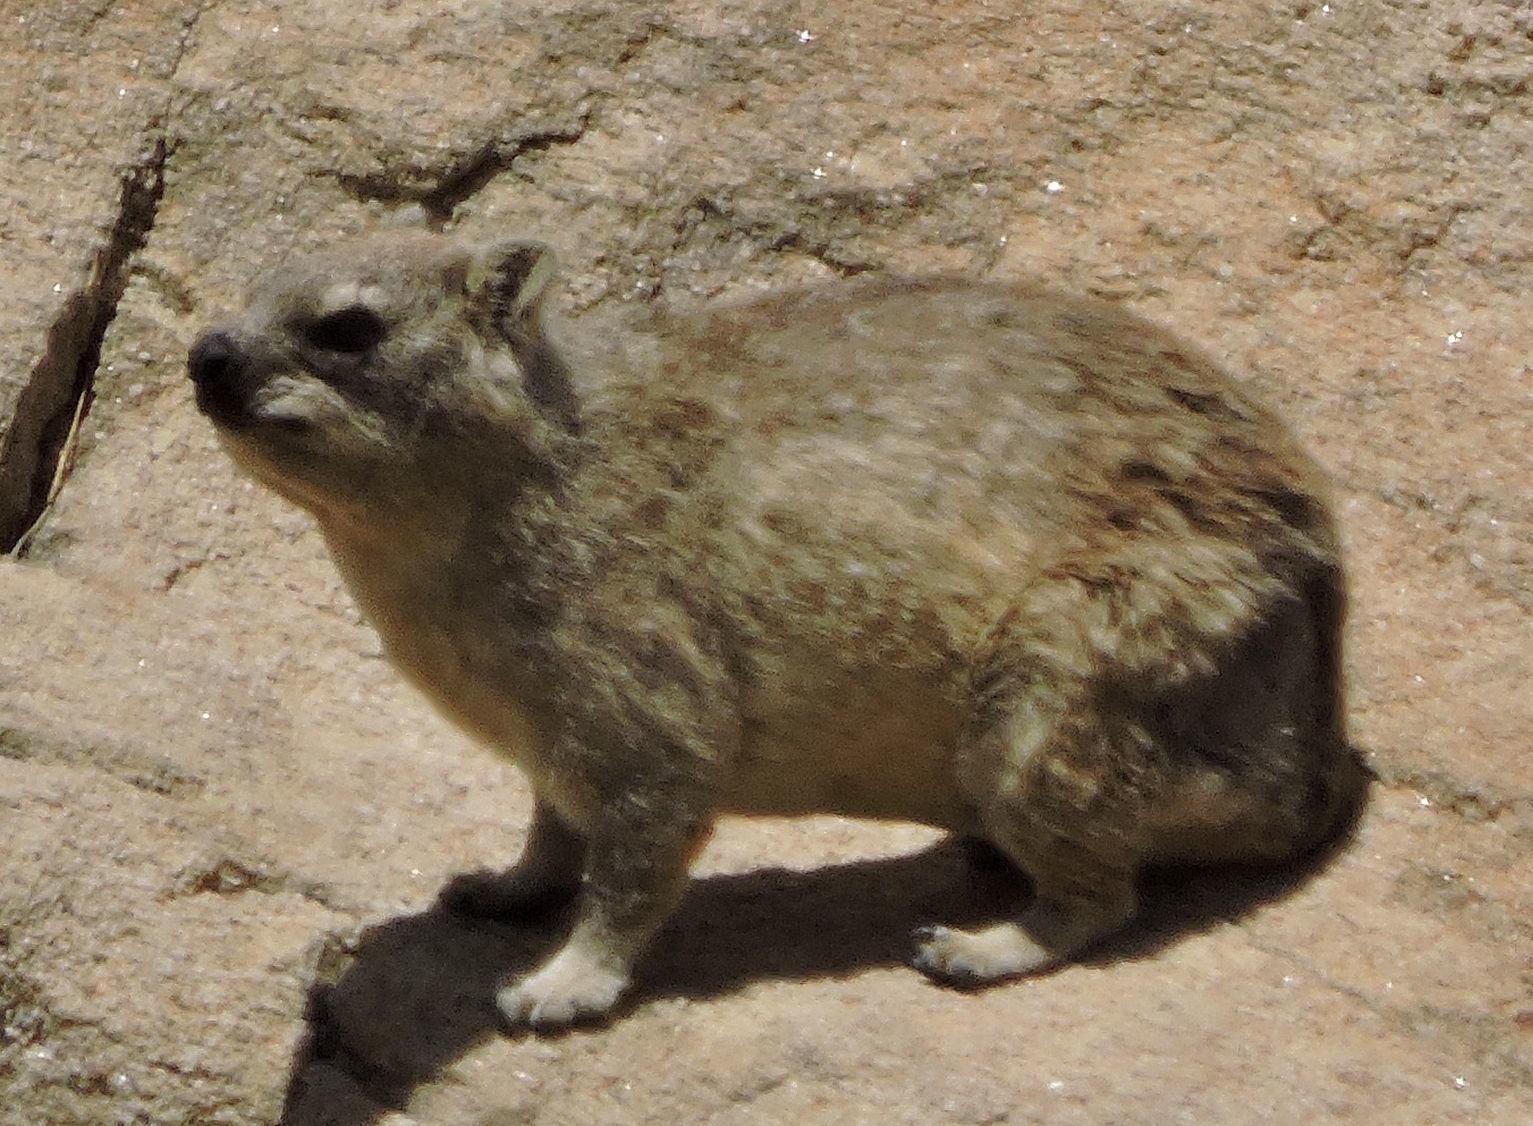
{"x": 1011, "y": 563}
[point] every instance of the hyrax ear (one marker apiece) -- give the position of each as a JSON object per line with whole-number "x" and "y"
{"x": 509, "y": 281}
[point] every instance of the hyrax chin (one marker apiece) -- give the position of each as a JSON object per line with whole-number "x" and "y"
{"x": 1015, "y": 564}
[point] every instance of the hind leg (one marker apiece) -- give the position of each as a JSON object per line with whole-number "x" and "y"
{"x": 1074, "y": 841}
{"x": 1092, "y": 743}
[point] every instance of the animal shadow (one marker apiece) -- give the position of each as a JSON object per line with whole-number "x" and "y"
{"x": 417, "y": 991}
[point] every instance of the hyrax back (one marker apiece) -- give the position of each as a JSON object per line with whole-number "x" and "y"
{"x": 1016, "y": 564}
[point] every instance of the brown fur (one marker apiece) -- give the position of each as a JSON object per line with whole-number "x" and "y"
{"x": 1012, "y": 563}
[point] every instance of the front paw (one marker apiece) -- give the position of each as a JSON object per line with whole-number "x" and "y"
{"x": 487, "y": 894}
{"x": 571, "y": 987}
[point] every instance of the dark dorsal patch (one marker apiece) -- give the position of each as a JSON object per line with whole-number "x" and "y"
{"x": 1292, "y": 507}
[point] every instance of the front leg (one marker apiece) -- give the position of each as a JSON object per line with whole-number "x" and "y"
{"x": 636, "y": 871}
{"x": 646, "y": 722}
{"x": 546, "y": 877}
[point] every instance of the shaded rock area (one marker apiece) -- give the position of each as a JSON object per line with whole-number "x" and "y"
{"x": 225, "y": 822}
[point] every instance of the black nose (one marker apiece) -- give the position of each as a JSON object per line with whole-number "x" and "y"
{"x": 211, "y": 357}
{"x": 216, "y": 365}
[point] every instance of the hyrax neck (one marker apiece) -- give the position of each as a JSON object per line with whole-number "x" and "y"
{"x": 451, "y": 583}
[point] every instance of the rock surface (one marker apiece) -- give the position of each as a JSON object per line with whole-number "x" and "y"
{"x": 225, "y": 821}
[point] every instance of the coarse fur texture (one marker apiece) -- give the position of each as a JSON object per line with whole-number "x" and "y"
{"x": 1015, "y": 564}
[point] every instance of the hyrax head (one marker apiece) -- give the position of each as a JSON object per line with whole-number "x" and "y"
{"x": 358, "y": 377}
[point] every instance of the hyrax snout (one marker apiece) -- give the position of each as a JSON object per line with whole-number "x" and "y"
{"x": 1015, "y": 564}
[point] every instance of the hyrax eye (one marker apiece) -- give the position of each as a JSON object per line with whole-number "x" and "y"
{"x": 347, "y": 330}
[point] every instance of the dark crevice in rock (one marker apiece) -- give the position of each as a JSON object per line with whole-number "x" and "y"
{"x": 1449, "y": 795}
{"x": 119, "y": 760}
{"x": 828, "y": 255}
{"x": 443, "y": 191}
{"x": 706, "y": 221}
{"x": 227, "y": 875}
{"x": 40, "y": 444}
{"x": 24, "y": 1015}
{"x": 831, "y": 225}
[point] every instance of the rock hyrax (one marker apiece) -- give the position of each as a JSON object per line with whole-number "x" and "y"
{"x": 1014, "y": 564}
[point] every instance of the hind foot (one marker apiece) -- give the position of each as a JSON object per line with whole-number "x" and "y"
{"x": 1047, "y": 935}
{"x": 967, "y": 959}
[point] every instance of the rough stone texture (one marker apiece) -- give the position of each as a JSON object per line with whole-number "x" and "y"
{"x": 215, "y": 796}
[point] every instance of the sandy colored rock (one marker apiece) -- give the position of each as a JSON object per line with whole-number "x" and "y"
{"x": 81, "y": 182}
{"x": 1329, "y": 197}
